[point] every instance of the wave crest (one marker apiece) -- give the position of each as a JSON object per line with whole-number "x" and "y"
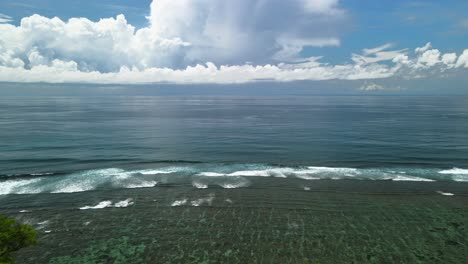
{"x": 204, "y": 175}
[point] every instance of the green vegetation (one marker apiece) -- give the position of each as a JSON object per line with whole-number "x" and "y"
{"x": 13, "y": 237}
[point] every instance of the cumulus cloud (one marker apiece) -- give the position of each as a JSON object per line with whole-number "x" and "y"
{"x": 232, "y": 32}
{"x": 423, "y": 48}
{"x": 104, "y": 46}
{"x": 206, "y": 41}
{"x": 62, "y": 71}
{"x": 428, "y": 58}
{"x": 449, "y": 59}
{"x": 180, "y": 33}
{"x": 463, "y": 60}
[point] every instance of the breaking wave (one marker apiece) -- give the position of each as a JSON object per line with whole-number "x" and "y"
{"x": 106, "y": 204}
{"x": 206, "y": 175}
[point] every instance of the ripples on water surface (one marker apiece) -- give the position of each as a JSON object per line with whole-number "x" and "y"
{"x": 216, "y": 179}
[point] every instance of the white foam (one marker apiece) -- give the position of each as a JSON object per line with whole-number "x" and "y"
{"x": 208, "y": 200}
{"x": 445, "y": 193}
{"x": 460, "y": 178}
{"x": 308, "y": 173}
{"x": 179, "y": 202}
{"x": 317, "y": 173}
{"x": 307, "y": 177}
{"x": 455, "y": 171}
{"x": 458, "y": 175}
{"x": 211, "y": 174}
{"x": 148, "y": 184}
{"x": 246, "y": 173}
{"x": 18, "y": 186}
{"x": 25, "y": 211}
{"x": 89, "y": 180}
{"x": 278, "y": 174}
{"x": 410, "y": 178}
{"x": 124, "y": 203}
{"x": 251, "y": 173}
{"x": 333, "y": 170}
{"x": 228, "y": 201}
{"x": 153, "y": 172}
{"x": 199, "y": 185}
{"x": 224, "y": 176}
{"x": 284, "y": 172}
{"x": 233, "y": 185}
{"x": 43, "y": 222}
{"x": 100, "y": 205}
{"x": 106, "y": 204}
{"x": 306, "y": 188}
{"x": 42, "y": 225}
{"x": 41, "y": 174}
{"x": 73, "y": 188}
{"x": 222, "y": 180}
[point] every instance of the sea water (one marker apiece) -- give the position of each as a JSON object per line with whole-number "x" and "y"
{"x": 237, "y": 179}
{"x": 81, "y": 143}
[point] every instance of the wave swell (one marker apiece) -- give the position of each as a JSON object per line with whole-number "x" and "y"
{"x": 202, "y": 176}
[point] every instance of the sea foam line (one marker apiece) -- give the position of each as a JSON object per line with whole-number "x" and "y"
{"x": 445, "y": 193}
{"x": 454, "y": 171}
{"x": 106, "y": 204}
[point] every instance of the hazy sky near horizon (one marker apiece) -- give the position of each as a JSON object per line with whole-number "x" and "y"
{"x": 378, "y": 43}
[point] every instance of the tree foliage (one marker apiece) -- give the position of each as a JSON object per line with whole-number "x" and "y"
{"x": 13, "y": 237}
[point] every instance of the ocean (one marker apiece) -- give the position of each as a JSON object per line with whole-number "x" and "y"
{"x": 182, "y": 179}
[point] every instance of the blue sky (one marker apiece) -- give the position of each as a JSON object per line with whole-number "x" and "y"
{"x": 372, "y": 23}
{"x": 405, "y": 23}
{"x": 134, "y": 10}
{"x": 324, "y": 39}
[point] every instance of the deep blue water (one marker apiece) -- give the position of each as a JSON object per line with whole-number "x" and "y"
{"x": 48, "y": 144}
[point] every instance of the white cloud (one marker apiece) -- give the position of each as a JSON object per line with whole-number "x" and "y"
{"x": 206, "y": 41}
{"x": 449, "y": 59}
{"x": 180, "y": 33}
{"x": 5, "y": 19}
{"x": 429, "y": 58}
{"x": 237, "y": 31}
{"x": 291, "y": 48}
{"x": 322, "y": 6}
{"x": 372, "y": 51}
{"x": 62, "y": 71}
{"x": 424, "y": 48}
{"x": 372, "y": 87}
{"x": 402, "y": 59}
{"x": 58, "y": 71}
{"x": 232, "y": 32}
{"x": 463, "y": 59}
{"x": 377, "y": 54}
{"x": 428, "y": 61}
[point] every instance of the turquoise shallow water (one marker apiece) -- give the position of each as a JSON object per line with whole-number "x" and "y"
{"x": 272, "y": 221}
